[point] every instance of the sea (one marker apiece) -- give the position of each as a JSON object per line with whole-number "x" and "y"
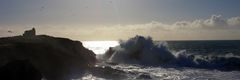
{"x": 213, "y": 60}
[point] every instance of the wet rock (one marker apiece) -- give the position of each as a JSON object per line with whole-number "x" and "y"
{"x": 108, "y": 73}
{"x": 144, "y": 76}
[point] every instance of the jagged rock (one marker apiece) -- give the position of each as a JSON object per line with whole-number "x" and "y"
{"x": 55, "y": 58}
{"x": 108, "y": 53}
{"x": 144, "y": 77}
{"x": 108, "y": 73}
{"x": 30, "y": 33}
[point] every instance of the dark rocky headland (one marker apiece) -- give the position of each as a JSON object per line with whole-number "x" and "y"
{"x": 33, "y": 57}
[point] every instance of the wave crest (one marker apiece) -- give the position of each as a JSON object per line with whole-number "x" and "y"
{"x": 142, "y": 50}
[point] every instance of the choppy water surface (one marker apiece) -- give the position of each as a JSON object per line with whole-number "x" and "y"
{"x": 132, "y": 71}
{"x": 137, "y": 72}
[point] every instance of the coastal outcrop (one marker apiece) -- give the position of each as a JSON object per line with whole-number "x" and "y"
{"x": 53, "y": 57}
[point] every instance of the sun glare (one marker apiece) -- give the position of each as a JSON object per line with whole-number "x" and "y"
{"x": 99, "y": 47}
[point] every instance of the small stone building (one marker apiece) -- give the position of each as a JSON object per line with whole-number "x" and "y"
{"x": 29, "y": 33}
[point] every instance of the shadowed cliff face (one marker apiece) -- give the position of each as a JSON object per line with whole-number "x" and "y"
{"x": 19, "y": 70}
{"x": 55, "y": 58}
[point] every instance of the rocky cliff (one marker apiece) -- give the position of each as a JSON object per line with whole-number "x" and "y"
{"x": 55, "y": 58}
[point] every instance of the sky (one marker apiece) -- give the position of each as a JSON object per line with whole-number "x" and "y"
{"x": 122, "y": 19}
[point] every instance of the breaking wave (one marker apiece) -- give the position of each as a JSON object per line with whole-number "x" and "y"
{"x": 143, "y": 51}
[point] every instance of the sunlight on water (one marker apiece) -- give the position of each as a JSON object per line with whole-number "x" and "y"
{"x": 99, "y": 47}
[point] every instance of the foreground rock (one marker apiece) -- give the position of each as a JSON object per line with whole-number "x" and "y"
{"x": 108, "y": 72}
{"x": 19, "y": 70}
{"x": 55, "y": 58}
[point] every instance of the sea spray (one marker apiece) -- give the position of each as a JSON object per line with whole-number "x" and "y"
{"x": 143, "y": 51}
{"x": 140, "y": 50}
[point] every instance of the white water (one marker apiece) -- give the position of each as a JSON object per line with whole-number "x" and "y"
{"x": 159, "y": 73}
{"x": 133, "y": 72}
{"x": 179, "y": 73}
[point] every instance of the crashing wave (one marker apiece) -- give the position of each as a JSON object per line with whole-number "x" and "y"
{"x": 142, "y": 50}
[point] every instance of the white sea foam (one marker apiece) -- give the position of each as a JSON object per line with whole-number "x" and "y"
{"x": 143, "y": 51}
{"x": 183, "y": 65}
{"x": 135, "y": 72}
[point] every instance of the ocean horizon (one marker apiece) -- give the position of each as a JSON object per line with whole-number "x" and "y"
{"x": 101, "y": 46}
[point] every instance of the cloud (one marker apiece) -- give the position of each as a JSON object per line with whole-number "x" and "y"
{"x": 235, "y": 22}
{"x": 214, "y": 27}
{"x": 214, "y": 22}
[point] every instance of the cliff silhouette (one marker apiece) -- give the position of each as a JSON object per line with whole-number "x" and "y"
{"x": 53, "y": 58}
